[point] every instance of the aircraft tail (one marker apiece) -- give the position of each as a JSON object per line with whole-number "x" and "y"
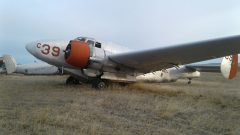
{"x": 229, "y": 66}
{"x": 10, "y": 63}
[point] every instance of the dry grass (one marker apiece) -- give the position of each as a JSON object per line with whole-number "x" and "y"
{"x": 44, "y": 105}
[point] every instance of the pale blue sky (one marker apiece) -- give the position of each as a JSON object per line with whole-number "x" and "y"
{"x": 136, "y": 24}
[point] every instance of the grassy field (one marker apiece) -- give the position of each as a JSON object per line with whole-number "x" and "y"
{"x": 32, "y": 105}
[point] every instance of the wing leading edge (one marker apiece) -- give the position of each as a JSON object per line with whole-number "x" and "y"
{"x": 166, "y": 57}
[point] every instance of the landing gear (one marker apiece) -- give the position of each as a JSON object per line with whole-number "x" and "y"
{"x": 99, "y": 84}
{"x": 71, "y": 80}
{"x": 189, "y": 80}
{"x": 123, "y": 84}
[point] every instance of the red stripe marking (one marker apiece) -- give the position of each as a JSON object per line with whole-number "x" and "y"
{"x": 234, "y": 67}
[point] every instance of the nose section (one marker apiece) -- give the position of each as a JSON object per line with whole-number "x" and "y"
{"x": 48, "y": 51}
{"x": 31, "y": 48}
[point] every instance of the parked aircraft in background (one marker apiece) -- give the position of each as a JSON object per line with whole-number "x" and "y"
{"x": 8, "y": 65}
{"x": 96, "y": 62}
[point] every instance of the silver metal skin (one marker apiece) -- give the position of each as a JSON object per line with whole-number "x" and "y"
{"x": 111, "y": 62}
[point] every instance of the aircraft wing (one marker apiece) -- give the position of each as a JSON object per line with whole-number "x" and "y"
{"x": 166, "y": 57}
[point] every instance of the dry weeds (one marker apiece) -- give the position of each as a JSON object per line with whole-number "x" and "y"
{"x": 44, "y": 105}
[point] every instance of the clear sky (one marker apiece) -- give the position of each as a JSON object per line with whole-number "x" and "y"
{"x": 137, "y": 24}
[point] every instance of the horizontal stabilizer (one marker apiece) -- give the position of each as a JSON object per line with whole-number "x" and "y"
{"x": 229, "y": 66}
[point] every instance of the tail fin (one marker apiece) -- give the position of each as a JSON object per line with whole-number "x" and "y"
{"x": 229, "y": 66}
{"x": 10, "y": 63}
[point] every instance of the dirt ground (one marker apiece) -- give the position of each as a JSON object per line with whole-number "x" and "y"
{"x": 32, "y": 105}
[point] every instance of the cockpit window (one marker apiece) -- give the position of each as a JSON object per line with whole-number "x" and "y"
{"x": 81, "y": 39}
{"x": 90, "y": 42}
{"x": 98, "y": 45}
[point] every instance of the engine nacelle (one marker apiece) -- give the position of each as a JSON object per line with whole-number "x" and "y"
{"x": 88, "y": 58}
{"x": 77, "y": 54}
{"x": 229, "y": 66}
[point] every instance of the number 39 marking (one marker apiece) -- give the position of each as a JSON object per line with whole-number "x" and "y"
{"x": 45, "y": 49}
{"x": 55, "y": 51}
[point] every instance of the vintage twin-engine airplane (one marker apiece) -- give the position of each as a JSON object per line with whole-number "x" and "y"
{"x": 91, "y": 61}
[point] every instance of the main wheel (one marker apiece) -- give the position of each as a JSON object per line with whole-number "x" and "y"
{"x": 123, "y": 84}
{"x": 99, "y": 84}
{"x": 71, "y": 80}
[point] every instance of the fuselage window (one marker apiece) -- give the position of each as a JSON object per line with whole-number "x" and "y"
{"x": 98, "y": 45}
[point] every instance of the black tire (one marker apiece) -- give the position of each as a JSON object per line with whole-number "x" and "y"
{"x": 123, "y": 84}
{"x": 99, "y": 84}
{"x": 71, "y": 81}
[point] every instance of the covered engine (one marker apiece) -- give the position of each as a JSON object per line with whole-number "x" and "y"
{"x": 77, "y": 54}
{"x": 87, "y": 57}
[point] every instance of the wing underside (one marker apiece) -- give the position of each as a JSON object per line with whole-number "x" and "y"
{"x": 166, "y": 57}
{"x": 213, "y": 67}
